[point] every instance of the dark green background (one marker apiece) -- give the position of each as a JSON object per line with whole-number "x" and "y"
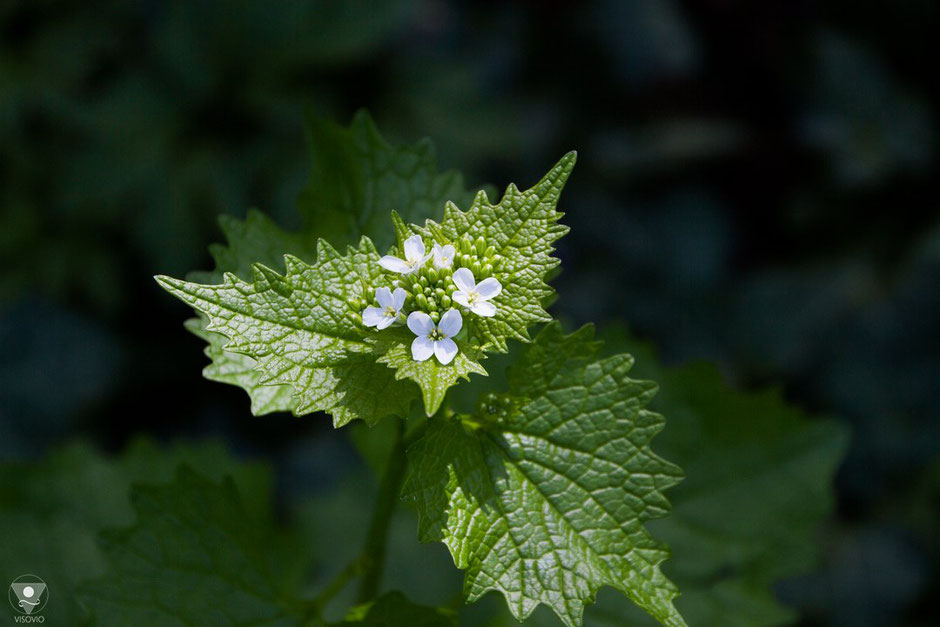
{"x": 756, "y": 186}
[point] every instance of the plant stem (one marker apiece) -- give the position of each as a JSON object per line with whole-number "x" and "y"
{"x": 374, "y": 548}
{"x": 314, "y": 607}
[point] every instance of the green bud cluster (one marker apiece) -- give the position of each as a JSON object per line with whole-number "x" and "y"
{"x": 356, "y": 304}
{"x": 476, "y": 255}
{"x": 494, "y": 406}
{"x": 430, "y": 289}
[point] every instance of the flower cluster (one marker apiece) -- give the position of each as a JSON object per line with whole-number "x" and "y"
{"x": 436, "y": 293}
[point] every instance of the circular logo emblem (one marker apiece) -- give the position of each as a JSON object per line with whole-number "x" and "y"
{"x": 28, "y": 594}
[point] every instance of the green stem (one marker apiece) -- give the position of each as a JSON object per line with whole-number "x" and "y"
{"x": 313, "y": 609}
{"x": 374, "y": 548}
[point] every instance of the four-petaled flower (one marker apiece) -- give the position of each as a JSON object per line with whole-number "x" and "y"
{"x": 390, "y": 304}
{"x": 434, "y": 339}
{"x": 443, "y": 256}
{"x": 474, "y": 297}
{"x": 414, "y": 257}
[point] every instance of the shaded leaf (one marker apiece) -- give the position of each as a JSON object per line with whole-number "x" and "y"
{"x": 545, "y": 500}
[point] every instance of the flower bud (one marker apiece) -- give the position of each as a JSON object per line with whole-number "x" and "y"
{"x": 465, "y": 245}
{"x": 432, "y": 275}
{"x": 497, "y": 259}
{"x": 435, "y": 316}
{"x": 428, "y": 291}
{"x": 421, "y": 301}
{"x": 423, "y": 281}
{"x": 354, "y": 317}
{"x": 445, "y": 302}
{"x": 432, "y": 304}
{"x": 490, "y": 251}
{"x": 475, "y": 268}
{"x": 438, "y": 292}
{"x": 451, "y": 288}
{"x": 488, "y": 270}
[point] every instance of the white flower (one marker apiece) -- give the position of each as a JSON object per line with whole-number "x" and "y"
{"x": 473, "y": 296}
{"x": 443, "y": 256}
{"x": 434, "y": 340}
{"x": 414, "y": 257}
{"x": 386, "y": 313}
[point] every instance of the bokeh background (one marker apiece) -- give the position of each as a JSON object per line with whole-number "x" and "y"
{"x": 757, "y": 187}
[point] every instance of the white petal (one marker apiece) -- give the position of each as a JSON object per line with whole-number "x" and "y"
{"x": 385, "y": 323}
{"x": 414, "y": 248}
{"x": 384, "y": 296}
{"x": 398, "y": 298}
{"x": 420, "y": 323}
{"x": 461, "y": 299}
{"x": 483, "y": 308}
{"x": 463, "y": 279}
{"x": 489, "y": 288}
{"x": 394, "y": 264}
{"x": 445, "y": 350}
{"x": 422, "y": 348}
{"x": 450, "y": 323}
{"x": 443, "y": 256}
{"x": 372, "y": 316}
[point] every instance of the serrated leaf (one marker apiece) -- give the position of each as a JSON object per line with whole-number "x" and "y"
{"x": 545, "y": 500}
{"x": 553, "y": 354}
{"x": 357, "y": 178}
{"x": 256, "y": 239}
{"x": 52, "y": 509}
{"x": 432, "y": 377}
{"x": 298, "y": 328}
{"x": 194, "y": 557}
{"x": 393, "y": 609}
{"x": 240, "y": 370}
{"x": 522, "y": 228}
{"x": 759, "y": 485}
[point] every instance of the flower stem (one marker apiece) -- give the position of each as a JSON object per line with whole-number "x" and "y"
{"x": 374, "y": 548}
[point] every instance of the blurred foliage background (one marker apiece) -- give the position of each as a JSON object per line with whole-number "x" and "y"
{"x": 756, "y": 187}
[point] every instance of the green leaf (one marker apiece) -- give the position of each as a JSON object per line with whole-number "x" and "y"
{"x": 544, "y": 499}
{"x": 301, "y": 330}
{"x": 51, "y": 510}
{"x": 256, "y": 239}
{"x": 758, "y": 487}
{"x": 393, "y": 609}
{"x": 432, "y": 377}
{"x": 554, "y": 353}
{"x": 357, "y": 178}
{"x": 194, "y": 557}
{"x": 240, "y": 370}
{"x": 522, "y": 229}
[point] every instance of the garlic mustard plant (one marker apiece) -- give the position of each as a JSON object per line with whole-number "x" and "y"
{"x": 540, "y": 493}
